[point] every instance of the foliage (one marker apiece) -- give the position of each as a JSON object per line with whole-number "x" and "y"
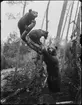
{"x": 71, "y": 68}
{"x": 29, "y": 72}
{"x": 26, "y": 77}
{"x": 10, "y": 51}
{"x": 3, "y": 62}
{"x": 10, "y": 46}
{"x": 24, "y": 49}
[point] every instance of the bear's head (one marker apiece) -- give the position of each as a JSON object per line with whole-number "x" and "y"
{"x": 33, "y": 14}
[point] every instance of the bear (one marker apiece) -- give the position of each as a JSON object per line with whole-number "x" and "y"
{"x": 26, "y": 20}
{"x": 50, "y": 59}
{"x": 35, "y": 35}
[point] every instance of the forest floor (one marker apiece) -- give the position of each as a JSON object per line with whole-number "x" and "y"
{"x": 18, "y": 94}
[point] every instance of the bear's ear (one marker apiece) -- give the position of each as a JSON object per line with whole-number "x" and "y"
{"x": 30, "y": 10}
{"x": 46, "y": 32}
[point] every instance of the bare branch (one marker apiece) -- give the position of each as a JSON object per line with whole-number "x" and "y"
{"x": 17, "y": 2}
{"x": 14, "y": 2}
{"x": 10, "y": 16}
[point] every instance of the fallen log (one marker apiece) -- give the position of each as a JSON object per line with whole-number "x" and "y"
{"x": 65, "y": 102}
{"x": 12, "y": 95}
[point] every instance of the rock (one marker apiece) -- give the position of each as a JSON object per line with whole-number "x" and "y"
{"x": 47, "y": 99}
{"x": 3, "y": 83}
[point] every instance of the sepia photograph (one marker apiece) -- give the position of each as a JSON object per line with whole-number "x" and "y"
{"x": 41, "y": 52}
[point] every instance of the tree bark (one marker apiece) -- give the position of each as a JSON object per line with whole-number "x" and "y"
{"x": 61, "y": 19}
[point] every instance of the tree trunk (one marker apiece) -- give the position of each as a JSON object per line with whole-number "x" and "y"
{"x": 47, "y": 16}
{"x": 69, "y": 21}
{"x": 61, "y": 20}
{"x": 24, "y": 8}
